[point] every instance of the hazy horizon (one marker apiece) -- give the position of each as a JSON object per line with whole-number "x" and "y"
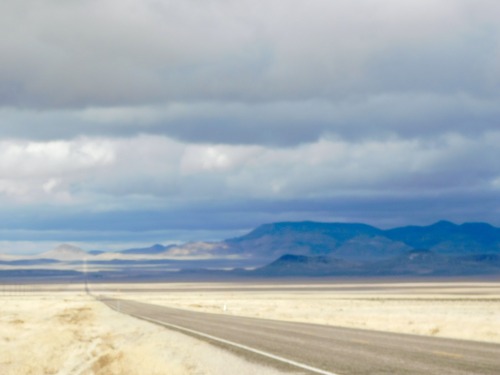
{"x": 36, "y": 247}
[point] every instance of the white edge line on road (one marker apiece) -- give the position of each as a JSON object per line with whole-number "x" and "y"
{"x": 244, "y": 347}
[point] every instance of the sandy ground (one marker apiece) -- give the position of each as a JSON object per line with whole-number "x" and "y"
{"x": 60, "y": 330}
{"x": 67, "y": 333}
{"x": 456, "y": 310}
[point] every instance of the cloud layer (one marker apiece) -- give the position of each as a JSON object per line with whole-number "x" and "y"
{"x": 218, "y": 115}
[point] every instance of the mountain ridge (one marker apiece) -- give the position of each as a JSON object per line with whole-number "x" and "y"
{"x": 306, "y": 248}
{"x": 313, "y": 238}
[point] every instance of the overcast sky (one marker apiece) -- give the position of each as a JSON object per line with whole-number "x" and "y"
{"x": 142, "y": 121}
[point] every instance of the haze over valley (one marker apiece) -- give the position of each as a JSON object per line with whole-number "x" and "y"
{"x": 288, "y": 249}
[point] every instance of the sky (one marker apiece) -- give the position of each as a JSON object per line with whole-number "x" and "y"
{"x": 129, "y": 122}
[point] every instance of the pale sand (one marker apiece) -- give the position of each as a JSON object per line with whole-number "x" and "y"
{"x": 43, "y": 331}
{"x": 66, "y": 333}
{"x": 456, "y": 310}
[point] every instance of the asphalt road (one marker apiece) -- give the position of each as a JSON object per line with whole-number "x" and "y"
{"x": 336, "y": 350}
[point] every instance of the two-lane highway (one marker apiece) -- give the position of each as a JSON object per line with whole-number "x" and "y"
{"x": 326, "y": 349}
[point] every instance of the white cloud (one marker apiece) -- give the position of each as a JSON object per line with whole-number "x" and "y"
{"x": 37, "y": 170}
{"x": 162, "y": 168}
{"x": 29, "y": 159}
{"x": 216, "y": 158}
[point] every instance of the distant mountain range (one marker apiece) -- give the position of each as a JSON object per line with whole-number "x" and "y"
{"x": 302, "y": 249}
{"x": 344, "y": 249}
{"x": 365, "y": 242}
{"x": 155, "y": 249}
{"x": 412, "y": 263}
{"x": 64, "y": 252}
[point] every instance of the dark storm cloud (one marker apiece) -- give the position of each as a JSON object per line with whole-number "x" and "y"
{"x": 249, "y": 72}
{"x": 280, "y": 123}
{"x": 237, "y": 217}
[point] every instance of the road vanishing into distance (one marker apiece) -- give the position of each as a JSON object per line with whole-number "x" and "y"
{"x": 320, "y": 349}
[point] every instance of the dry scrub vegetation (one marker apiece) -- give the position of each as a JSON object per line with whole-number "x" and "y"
{"x": 76, "y": 335}
{"x": 70, "y": 333}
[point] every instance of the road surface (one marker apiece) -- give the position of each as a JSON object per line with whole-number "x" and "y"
{"x": 320, "y": 349}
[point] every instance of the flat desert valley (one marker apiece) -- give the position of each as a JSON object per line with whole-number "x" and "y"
{"x": 59, "y": 329}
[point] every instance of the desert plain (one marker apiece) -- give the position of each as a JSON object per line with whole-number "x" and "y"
{"x": 59, "y": 329}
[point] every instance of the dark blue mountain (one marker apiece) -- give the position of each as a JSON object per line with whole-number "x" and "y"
{"x": 155, "y": 249}
{"x": 337, "y": 231}
{"x": 447, "y": 238}
{"x": 364, "y": 242}
{"x": 324, "y": 249}
{"x": 418, "y": 263}
{"x": 304, "y": 238}
{"x": 302, "y": 265}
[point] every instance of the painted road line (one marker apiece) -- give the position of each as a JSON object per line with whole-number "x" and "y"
{"x": 240, "y": 346}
